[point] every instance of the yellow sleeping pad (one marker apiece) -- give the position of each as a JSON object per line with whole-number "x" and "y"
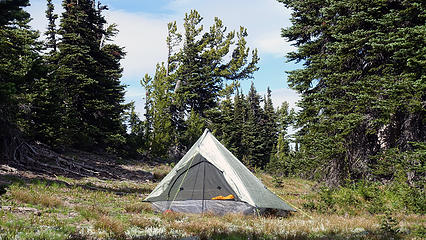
{"x": 229, "y": 197}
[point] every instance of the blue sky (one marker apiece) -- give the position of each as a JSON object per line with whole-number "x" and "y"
{"x": 143, "y": 28}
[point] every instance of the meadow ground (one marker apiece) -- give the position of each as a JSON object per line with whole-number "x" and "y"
{"x": 35, "y": 206}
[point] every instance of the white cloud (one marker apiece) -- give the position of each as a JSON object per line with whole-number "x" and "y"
{"x": 284, "y": 94}
{"x": 139, "y": 102}
{"x": 37, "y": 10}
{"x": 271, "y": 44}
{"x": 262, "y": 18}
{"x": 143, "y": 37}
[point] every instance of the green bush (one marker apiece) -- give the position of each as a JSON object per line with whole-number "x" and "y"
{"x": 372, "y": 197}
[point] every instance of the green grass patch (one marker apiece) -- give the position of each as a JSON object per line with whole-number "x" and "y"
{"x": 97, "y": 209}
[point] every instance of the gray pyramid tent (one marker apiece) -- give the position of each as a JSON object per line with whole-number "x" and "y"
{"x": 209, "y": 170}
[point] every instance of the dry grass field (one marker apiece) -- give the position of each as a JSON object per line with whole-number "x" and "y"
{"x": 56, "y": 207}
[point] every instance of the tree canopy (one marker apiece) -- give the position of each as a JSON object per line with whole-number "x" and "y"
{"x": 363, "y": 81}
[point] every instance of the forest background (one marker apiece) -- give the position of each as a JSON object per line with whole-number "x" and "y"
{"x": 360, "y": 120}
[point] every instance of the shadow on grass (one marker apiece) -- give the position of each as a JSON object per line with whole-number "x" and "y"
{"x": 8, "y": 179}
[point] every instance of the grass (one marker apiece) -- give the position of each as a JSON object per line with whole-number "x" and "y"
{"x": 45, "y": 200}
{"x": 138, "y": 207}
{"x": 97, "y": 209}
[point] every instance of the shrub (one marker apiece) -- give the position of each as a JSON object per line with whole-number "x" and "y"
{"x": 371, "y": 197}
{"x": 110, "y": 224}
{"x": 36, "y": 198}
{"x": 389, "y": 226}
{"x": 142, "y": 222}
{"x": 138, "y": 207}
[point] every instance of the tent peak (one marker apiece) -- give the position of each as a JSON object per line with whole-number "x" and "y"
{"x": 206, "y": 131}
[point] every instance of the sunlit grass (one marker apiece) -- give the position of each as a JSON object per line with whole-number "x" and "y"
{"x": 138, "y": 207}
{"x": 98, "y": 209}
{"x": 35, "y": 198}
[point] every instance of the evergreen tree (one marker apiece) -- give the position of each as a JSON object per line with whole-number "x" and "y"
{"x": 239, "y": 118}
{"x": 223, "y": 124}
{"x": 281, "y": 161}
{"x": 51, "y": 28}
{"x": 196, "y": 72}
{"x": 19, "y": 65}
{"x": 162, "y": 127}
{"x": 195, "y": 127}
{"x": 363, "y": 85}
{"x": 269, "y": 131}
{"x": 201, "y": 67}
{"x": 46, "y": 103}
{"x": 146, "y": 83}
{"x": 89, "y": 71}
{"x": 135, "y": 138}
{"x": 252, "y": 140}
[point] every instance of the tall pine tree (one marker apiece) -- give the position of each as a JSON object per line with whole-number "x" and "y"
{"x": 198, "y": 69}
{"x": 19, "y": 66}
{"x": 89, "y": 70}
{"x": 45, "y": 117}
{"x": 252, "y": 141}
{"x": 363, "y": 84}
{"x": 201, "y": 66}
{"x": 270, "y": 129}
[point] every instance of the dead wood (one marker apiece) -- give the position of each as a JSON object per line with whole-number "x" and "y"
{"x": 40, "y": 158}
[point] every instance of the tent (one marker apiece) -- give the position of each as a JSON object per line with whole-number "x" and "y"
{"x": 209, "y": 178}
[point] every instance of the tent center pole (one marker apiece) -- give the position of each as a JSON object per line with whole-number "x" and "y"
{"x": 204, "y": 185}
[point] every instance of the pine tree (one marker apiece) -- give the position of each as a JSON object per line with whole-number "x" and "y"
{"x": 46, "y": 92}
{"x": 51, "y": 28}
{"x": 239, "y": 118}
{"x": 363, "y": 85}
{"x": 19, "y": 66}
{"x": 281, "y": 161}
{"x": 201, "y": 66}
{"x": 146, "y": 83}
{"x": 252, "y": 140}
{"x": 89, "y": 71}
{"x": 197, "y": 71}
{"x": 162, "y": 127}
{"x": 195, "y": 127}
{"x": 135, "y": 138}
{"x": 222, "y": 123}
{"x": 269, "y": 131}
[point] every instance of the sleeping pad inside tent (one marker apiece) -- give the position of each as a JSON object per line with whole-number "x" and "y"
{"x": 209, "y": 178}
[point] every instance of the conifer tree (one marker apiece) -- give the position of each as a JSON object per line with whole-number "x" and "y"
{"x": 281, "y": 161}
{"x": 222, "y": 123}
{"x": 201, "y": 68}
{"x": 252, "y": 140}
{"x": 89, "y": 71}
{"x": 162, "y": 127}
{"x": 227, "y": 124}
{"x": 198, "y": 69}
{"x": 51, "y": 28}
{"x": 44, "y": 123}
{"x": 239, "y": 118}
{"x": 135, "y": 137}
{"x": 19, "y": 66}
{"x": 363, "y": 85}
{"x": 269, "y": 131}
{"x": 146, "y": 83}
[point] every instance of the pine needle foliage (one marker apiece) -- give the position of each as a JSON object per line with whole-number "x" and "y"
{"x": 363, "y": 81}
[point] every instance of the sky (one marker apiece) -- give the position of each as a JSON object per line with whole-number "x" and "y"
{"x": 143, "y": 28}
